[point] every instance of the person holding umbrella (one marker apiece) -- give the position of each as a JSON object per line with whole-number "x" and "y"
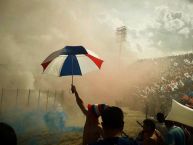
{"x": 92, "y": 130}
{"x": 76, "y": 61}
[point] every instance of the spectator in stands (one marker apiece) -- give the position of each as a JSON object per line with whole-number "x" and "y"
{"x": 92, "y": 129}
{"x": 7, "y": 135}
{"x": 151, "y": 136}
{"x": 113, "y": 124}
{"x": 175, "y": 78}
{"x": 175, "y": 135}
{"x": 160, "y": 125}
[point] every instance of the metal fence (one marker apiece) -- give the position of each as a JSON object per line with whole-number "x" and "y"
{"x": 29, "y": 99}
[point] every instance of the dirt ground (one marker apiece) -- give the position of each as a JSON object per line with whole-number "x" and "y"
{"x": 131, "y": 128}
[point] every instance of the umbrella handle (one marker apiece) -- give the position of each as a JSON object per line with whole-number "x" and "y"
{"x": 72, "y": 71}
{"x": 72, "y": 79}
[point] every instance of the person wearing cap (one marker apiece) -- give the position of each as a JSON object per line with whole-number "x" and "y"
{"x": 92, "y": 129}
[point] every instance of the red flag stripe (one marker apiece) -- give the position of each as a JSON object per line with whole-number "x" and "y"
{"x": 44, "y": 65}
{"x": 97, "y": 61}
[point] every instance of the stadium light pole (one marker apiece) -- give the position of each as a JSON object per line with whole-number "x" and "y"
{"x": 121, "y": 33}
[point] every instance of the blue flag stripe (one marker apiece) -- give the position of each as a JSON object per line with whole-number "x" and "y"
{"x": 67, "y": 69}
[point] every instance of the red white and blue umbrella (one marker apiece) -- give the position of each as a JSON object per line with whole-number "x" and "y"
{"x": 70, "y": 61}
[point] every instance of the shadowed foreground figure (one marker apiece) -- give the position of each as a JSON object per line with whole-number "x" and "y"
{"x": 175, "y": 135}
{"x": 7, "y": 135}
{"x": 112, "y": 123}
{"x": 160, "y": 125}
{"x": 151, "y": 136}
{"x": 92, "y": 129}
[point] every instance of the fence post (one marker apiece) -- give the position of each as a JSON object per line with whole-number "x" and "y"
{"x": 1, "y": 107}
{"x": 47, "y": 100}
{"x": 39, "y": 98}
{"x": 146, "y": 110}
{"x": 55, "y": 98}
{"x": 28, "y": 97}
{"x": 17, "y": 97}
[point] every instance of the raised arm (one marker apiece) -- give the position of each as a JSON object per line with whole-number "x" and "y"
{"x": 79, "y": 100}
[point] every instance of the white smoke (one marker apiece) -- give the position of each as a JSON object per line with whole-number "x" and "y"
{"x": 30, "y": 31}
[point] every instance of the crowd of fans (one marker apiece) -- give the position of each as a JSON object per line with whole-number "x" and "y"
{"x": 171, "y": 78}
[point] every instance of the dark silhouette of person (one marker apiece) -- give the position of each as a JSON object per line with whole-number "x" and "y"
{"x": 113, "y": 124}
{"x": 92, "y": 129}
{"x": 151, "y": 136}
{"x": 7, "y": 135}
{"x": 160, "y": 125}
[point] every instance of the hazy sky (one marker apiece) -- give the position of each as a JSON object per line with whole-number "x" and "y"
{"x": 31, "y": 30}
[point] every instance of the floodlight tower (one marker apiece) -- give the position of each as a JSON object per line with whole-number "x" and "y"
{"x": 121, "y": 33}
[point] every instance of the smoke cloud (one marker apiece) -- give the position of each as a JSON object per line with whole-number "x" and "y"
{"x": 33, "y": 122}
{"x": 31, "y": 30}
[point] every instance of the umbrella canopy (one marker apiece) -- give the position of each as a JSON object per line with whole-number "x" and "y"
{"x": 71, "y": 60}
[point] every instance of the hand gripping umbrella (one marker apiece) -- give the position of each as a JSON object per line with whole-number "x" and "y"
{"x": 70, "y": 61}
